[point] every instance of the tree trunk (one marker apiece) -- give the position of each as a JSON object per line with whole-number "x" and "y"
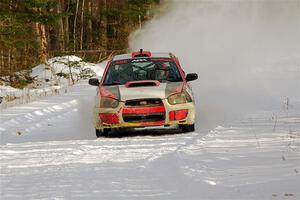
{"x": 43, "y": 54}
{"x": 70, "y": 71}
{"x": 61, "y": 44}
{"x": 66, "y": 27}
{"x": 40, "y": 30}
{"x": 81, "y": 31}
{"x": 74, "y": 28}
{"x": 13, "y": 60}
{"x": 103, "y": 27}
{"x": 25, "y": 57}
{"x": 90, "y": 26}
{"x": 2, "y": 56}
{"x": 9, "y": 63}
{"x": 2, "y": 59}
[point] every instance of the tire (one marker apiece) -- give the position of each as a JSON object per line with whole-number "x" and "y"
{"x": 102, "y": 133}
{"x": 186, "y": 128}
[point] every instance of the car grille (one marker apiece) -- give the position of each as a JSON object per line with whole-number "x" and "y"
{"x": 144, "y": 102}
{"x": 144, "y": 117}
{"x": 153, "y": 110}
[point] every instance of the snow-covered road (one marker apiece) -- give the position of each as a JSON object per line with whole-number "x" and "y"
{"x": 49, "y": 151}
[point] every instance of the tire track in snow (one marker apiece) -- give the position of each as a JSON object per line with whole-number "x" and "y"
{"x": 104, "y": 158}
{"x": 87, "y": 151}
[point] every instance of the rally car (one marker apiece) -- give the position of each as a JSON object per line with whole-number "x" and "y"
{"x": 143, "y": 89}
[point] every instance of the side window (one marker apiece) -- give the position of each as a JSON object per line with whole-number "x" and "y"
{"x": 174, "y": 74}
{"x": 112, "y": 75}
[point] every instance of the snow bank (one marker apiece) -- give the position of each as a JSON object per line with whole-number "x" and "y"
{"x": 6, "y": 90}
{"x": 64, "y": 66}
{"x": 47, "y": 82}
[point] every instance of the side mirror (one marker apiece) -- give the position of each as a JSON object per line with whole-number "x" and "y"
{"x": 94, "y": 81}
{"x": 191, "y": 77}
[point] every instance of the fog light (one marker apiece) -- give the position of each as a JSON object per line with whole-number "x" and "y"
{"x": 178, "y": 114}
{"x": 109, "y": 118}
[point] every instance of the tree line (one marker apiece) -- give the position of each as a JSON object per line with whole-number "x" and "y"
{"x": 33, "y": 30}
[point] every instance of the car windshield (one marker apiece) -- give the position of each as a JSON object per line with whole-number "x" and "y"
{"x": 123, "y": 71}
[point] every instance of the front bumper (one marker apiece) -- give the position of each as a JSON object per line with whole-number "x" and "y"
{"x": 144, "y": 116}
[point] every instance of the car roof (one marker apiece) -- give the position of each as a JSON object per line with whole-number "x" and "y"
{"x": 153, "y": 55}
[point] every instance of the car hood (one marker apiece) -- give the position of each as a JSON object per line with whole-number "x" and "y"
{"x": 163, "y": 90}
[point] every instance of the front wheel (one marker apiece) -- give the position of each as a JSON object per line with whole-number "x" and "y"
{"x": 102, "y": 133}
{"x": 185, "y": 128}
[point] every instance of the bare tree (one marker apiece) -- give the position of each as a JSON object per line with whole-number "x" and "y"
{"x": 74, "y": 28}
{"x": 103, "y": 25}
{"x": 90, "y": 25}
{"x": 66, "y": 26}
{"x": 61, "y": 43}
{"x": 81, "y": 31}
{"x": 41, "y": 33}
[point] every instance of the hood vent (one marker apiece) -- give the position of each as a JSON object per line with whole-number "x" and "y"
{"x": 146, "y": 83}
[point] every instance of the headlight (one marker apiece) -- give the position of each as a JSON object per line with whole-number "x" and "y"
{"x": 106, "y": 102}
{"x": 179, "y": 98}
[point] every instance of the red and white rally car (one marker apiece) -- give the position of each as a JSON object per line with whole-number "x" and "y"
{"x": 143, "y": 89}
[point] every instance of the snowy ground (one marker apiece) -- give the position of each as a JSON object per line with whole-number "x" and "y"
{"x": 49, "y": 151}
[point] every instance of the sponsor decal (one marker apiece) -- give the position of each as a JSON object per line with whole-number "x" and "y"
{"x": 139, "y": 60}
{"x": 119, "y": 62}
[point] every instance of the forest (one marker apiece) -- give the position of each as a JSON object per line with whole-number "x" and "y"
{"x": 32, "y": 31}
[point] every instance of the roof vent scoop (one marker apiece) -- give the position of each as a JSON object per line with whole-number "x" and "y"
{"x": 145, "y": 83}
{"x": 141, "y": 53}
